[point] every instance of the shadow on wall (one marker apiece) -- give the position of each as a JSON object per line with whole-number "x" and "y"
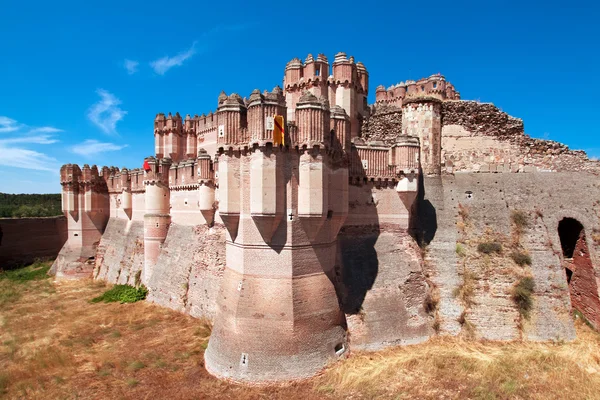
{"x": 357, "y": 263}
{"x": 424, "y": 223}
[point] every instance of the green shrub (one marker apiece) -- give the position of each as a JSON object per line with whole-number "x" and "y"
{"x": 520, "y": 219}
{"x": 522, "y": 295}
{"x": 489, "y": 247}
{"x": 460, "y": 250}
{"x": 521, "y": 258}
{"x": 122, "y": 294}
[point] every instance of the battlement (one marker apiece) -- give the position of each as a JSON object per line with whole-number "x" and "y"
{"x": 434, "y": 86}
{"x": 316, "y": 72}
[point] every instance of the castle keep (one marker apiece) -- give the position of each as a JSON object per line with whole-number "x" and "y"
{"x": 358, "y": 232}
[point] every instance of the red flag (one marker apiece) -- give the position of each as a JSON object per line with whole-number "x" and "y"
{"x": 146, "y": 166}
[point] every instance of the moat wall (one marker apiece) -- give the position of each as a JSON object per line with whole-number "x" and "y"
{"x": 473, "y": 208}
{"x": 384, "y": 280}
{"x": 189, "y": 268}
{"x": 22, "y": 240}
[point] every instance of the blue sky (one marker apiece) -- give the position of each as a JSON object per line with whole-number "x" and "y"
{"x": 81, "y": 82}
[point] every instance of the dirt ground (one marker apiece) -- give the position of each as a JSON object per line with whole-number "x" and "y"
{"x": 55, "y": 344}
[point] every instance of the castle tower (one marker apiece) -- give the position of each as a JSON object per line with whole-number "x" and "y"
{"x": 231, "y": 121}
{"x": 421, "y": 117}
{"x": 278, "y": 316}
{"x": 126, "y": 195}
{"x": 86, "y": 206}
{"x": 159, "y": 135}
{"x": 348, "y": 91}
{"x": 292, "y": 84}
{"x": 173, "y": 137}
{"x": 206, "y": 186}
{"x": 157, "y": 218}
{"x": 189, "y": 132}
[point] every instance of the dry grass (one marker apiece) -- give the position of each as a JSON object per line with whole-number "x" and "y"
{"x": 54, "y": 344}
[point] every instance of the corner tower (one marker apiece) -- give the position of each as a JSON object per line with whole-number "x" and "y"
{"x": 278, "y": 316}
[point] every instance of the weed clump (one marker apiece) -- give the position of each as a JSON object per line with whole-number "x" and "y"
{"x": 522, "y": 295}
{"x": 460, "y": 250}
{"x": 122, "y": 294}
{"x": 489, "y": 247}
{"x": 466, "y": 290}
{"x": 520, "y": 219}
{"x": 521, "y": 258}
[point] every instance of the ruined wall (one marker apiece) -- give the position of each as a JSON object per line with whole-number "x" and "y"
{"x": 22, "y": 240}
{"x": 468, "y": 209}
{"x": 383, "y": 124}
{"x": 480, "y": 137}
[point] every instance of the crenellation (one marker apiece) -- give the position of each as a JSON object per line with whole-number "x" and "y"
{"x": 314, "y": 239}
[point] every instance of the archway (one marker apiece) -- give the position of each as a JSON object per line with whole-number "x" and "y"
{"x": 579, "y": 270}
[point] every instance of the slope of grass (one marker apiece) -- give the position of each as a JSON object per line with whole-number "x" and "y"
{"x": 54, "y": 343}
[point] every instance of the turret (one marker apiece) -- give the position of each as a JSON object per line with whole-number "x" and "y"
{"x": 159, "y": 132}
{"x": 262, "y": 107}
{"x": 340, "y": 128}
{"x": 173, "y": 137}
{"x": 231, "y": 121}
{"x": 86, "y": 206}
{"x": 421, "y": 118}
{"x": 189, "y": 130}
{"x": 157, "y": 218}
{"x": 126, "y": 195}
{"x": 312, "y": 117}
{"x": 206, "y": 186}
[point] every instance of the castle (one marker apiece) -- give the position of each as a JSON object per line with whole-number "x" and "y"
{"x": 347, "y": 235}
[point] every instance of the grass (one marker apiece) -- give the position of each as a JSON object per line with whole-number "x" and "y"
{"x": 489, "y": 247}
{"x": 521, "y": 258}
{"x": 56, "y": 344}
{"x": 34, "y": 272}
{"x": 522, "y": 295}
{"x": 460, "y": 250}
{"x": 466, "y": 290}
{"x": 122, "y": 294}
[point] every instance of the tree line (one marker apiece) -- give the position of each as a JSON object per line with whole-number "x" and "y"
{"x": 30, "y": 205}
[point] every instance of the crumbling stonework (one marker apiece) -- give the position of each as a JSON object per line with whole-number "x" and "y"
{"x": 478, "y": 137}
{"x": 384, "y": 124}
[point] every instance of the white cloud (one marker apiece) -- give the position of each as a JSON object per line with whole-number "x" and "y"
{"x": 131, "y": 66}
{"x": 162, "y": 65}
{"x": 8, "y": 125}
{"x": 92, "y": 147}
{"x": 27, "y": 159}
{"x": 45, "y": 129}
{"x": 39, "y": 139}
{"x": 16, "y": 156}
{"x": 106, "y": 113}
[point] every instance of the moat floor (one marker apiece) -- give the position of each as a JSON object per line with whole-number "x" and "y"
{"x": 55, "y": 344}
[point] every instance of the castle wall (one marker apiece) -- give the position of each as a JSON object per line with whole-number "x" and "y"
{"x": 189, "y": 270}
{"x": 22, "y": 240}
{"x": 382, "y": 286}
{"x": 546, "y": 198}
{"x": 120, "y": 255}
{"x": 185, "y": 208}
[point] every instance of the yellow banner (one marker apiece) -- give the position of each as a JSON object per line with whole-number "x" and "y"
{"x": 279, "y": 131}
